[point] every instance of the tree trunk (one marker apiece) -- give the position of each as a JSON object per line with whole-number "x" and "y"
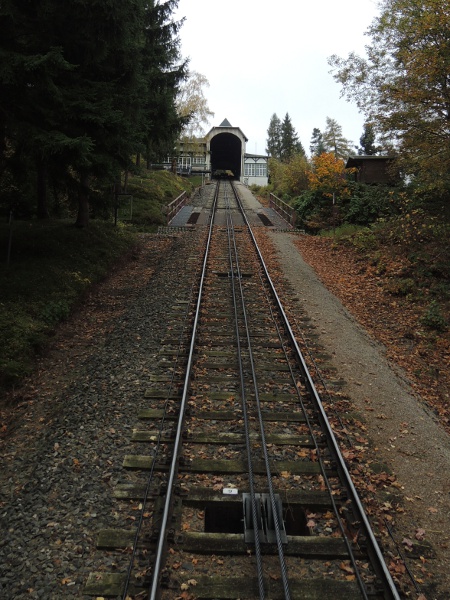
{"x": 42, "y": 206}
{"x": 138, "y": 159}
{"x": 83, "y": 201}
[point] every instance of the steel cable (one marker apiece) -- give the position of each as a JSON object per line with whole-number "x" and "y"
{"x": 258, "y": 556}
{"x": 283, "y": 567}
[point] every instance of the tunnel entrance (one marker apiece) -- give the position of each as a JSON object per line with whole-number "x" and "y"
{"x": 226, "y": 155}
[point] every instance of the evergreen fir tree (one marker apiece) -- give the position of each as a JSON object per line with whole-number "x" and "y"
{"x": 84, "y": 88}
{"x": 317, "y": 147}
{"x": 164, "y": 71}
{"x": 274, "y": 137}
{"x": 367, "y": 141}
{"x": 290, "y": 144}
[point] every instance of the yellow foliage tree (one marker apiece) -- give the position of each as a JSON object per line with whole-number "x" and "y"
{"x": 329, "y": 176}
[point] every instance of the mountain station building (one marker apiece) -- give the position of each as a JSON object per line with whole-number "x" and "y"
{"x": 221, "y": 153}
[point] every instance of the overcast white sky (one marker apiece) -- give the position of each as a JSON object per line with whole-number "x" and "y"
{"x": 270, "y": 56}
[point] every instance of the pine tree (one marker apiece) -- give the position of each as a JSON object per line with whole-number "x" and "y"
{"x": 290, "y": 144}
{"x": 274, "y": 137}
{"x": 30, "y": 98}
{"x": 367, "y": 141}
{"x": 84, "y": 88}
{"x": 317, "y": 147}
{"x": 164, "y": 71}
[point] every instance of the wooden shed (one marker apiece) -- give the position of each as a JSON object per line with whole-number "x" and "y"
{"x": 373, "y": 169}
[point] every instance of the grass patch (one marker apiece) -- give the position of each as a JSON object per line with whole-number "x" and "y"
{"x": 52, "y": 265}
{"x": 343, "y": 231}
{"x": 151, "y": 192}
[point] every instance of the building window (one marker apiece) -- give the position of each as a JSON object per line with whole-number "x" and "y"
{"x": 249, "y": 169}
{"x": 184, "y": 161}
{"x": 255, "y": 170}
{"x": 261, "y": 170}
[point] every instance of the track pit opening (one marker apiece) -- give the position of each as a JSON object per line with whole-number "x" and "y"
{"x": 224, "y": 517}
{"x": 295, "y": 521}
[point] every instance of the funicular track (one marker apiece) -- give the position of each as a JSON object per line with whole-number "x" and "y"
{"x": 242, "y": 490}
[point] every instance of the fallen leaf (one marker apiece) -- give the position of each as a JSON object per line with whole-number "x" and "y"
{"x": 346, "y": 568}
{"x": 420, "y": 534}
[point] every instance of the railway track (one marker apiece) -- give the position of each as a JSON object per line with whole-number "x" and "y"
{"x": 240, "y": 486}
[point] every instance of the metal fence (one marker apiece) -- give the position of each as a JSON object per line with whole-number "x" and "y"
{"x": 176, "y": 205}
{"x": 283, "y": 209}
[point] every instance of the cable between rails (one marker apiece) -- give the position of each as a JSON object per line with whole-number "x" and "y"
{"x": 284, "y": 575}
{"x": 259, "y": 567}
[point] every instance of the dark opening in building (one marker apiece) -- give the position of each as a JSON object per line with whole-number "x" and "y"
{"x": 226, "y": 153}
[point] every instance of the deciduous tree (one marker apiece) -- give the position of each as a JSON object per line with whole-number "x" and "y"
{"x": 192, "y": 104}
{"x": 328, "y": 175}
{"x": 334, "y": 141}
{"x": 403, "y": 85}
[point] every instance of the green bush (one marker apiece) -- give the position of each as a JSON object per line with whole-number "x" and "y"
{"x": 433, "y": 317}
{"x": 369, "y": 203}
{"x": 54, "y": 312}
{"x": 313, "y": 211}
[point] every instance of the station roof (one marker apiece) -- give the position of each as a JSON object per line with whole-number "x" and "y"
{"x": 227, "y": 125}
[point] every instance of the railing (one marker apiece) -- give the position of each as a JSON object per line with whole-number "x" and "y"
{"x": 283, "y": 209}
{"x": 176, "y": 205}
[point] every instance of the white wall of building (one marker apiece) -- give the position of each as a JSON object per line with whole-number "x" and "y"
{"x": 255, "y": 170}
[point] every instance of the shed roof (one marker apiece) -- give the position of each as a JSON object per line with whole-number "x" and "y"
{"x": 358, "y": 160}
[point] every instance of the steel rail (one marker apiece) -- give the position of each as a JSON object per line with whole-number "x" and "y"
{"x": 156, "y": 451}
{"x": 320, "y": 459}
{"x": 173, "y": 471}
{"x": 277, "y": 528}
{"x": 378, "y": 560}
